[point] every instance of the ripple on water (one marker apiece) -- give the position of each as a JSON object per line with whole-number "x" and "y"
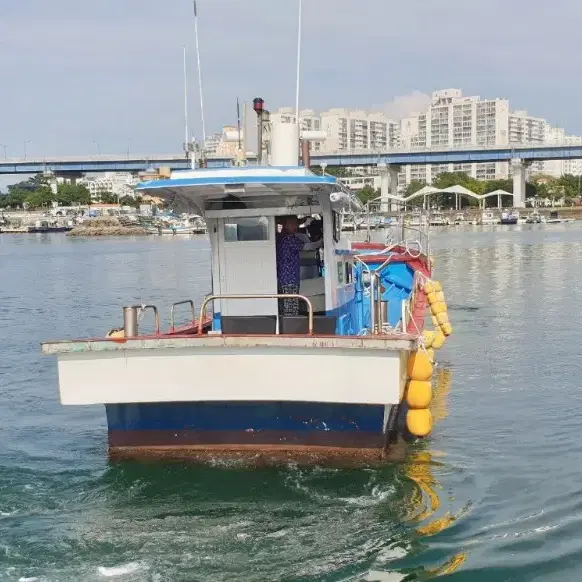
{"x": 492, "y": 495}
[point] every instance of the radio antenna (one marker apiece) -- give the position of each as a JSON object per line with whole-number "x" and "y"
{"x": 238, "y": 124}
{"x": 186, "y": 128}
{"x": 199, "y": 73}
{"x": 298, "y": 63}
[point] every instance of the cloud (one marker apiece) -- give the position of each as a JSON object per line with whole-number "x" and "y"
{"x": 404, "y": 105}
{"x": 111, "y": 71}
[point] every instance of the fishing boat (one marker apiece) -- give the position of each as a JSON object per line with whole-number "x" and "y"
{"x": 509, "y": 217}
{"x": 555, "y": 218}
{"x": 249, "y": 382}
{"x": 535, "y": 218}
{"x": 49, "y": 226}
{"x": 438, "y": 219}
{"x": 350, "y": 222}
{"x": 460, "y": 218}
{"x": 488, "y": 217}
{"x": 418, "y": 219}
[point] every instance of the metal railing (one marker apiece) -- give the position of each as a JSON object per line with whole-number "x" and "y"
{"x": 210, "y": 298}
{"x": 187, "y": 301}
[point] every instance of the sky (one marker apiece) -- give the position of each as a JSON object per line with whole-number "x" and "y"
{"x": 110, "y": 71}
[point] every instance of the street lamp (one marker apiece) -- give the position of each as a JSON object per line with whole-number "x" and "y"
{"x": 128, "y": 146}
{"x": 25, "y": 147}
{"x": 98, "y": 147}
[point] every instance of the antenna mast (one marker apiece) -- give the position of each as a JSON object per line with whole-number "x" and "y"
{"x": 298, "y": 65}
{"x": 238, "y": 123}
{"x": 186, "y": 128}
{"x": 199, "y": 74}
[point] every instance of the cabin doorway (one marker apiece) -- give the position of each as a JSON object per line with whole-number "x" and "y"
{"x": 248, "y": 265}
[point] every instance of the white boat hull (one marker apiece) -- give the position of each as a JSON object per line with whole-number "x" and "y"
{"x": 283, "y": 369}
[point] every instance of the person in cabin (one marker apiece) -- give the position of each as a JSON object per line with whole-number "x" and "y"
{"x": 289, "y": 246}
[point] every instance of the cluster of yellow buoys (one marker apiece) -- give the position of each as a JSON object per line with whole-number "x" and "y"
{"x": 420, "y": 364}
{"x": 419, "y": 394}
{"x": 438, "y": 308}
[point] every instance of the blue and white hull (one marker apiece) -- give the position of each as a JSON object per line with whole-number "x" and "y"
{"x": 276, "y": 429}
{"x": 280, "y": 396}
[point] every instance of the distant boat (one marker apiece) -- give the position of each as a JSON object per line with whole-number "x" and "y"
{"x": 418, "y": 219}
{"x": 509, "y": 217}
{"x": 437, "y": 219}
{"x": 460, "y": 218}
{"x": 534, "y": 218}
{"x": 350, "y": 222}
{"x": 46, "y": 226}
{"x": 488, "y": 217}
{"x": 556, "y": 218}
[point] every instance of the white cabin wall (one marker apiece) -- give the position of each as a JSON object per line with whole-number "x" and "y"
{"x": 212, "y": 225}
{"x": 328, "y": 253}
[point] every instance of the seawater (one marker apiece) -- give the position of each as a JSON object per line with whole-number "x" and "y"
{"x": 493, "y": 494}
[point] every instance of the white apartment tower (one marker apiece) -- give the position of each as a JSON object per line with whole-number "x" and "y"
{"x": 350, "y": 130}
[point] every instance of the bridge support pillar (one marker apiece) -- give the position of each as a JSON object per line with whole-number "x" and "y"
{"x": 388, "y": 186}
{"x": 384, "y": 187}
{"x": 393, "y": 172}
{"x": 518, "y": 170}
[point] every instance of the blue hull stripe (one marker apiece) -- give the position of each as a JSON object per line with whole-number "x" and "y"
{"x": 241, "y": 416}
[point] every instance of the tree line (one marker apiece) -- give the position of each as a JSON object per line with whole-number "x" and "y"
{"x": 36, "y": 193}
{"x": 540, "y": 186}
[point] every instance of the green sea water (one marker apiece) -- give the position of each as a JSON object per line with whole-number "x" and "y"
{"x": 493, "y": 495}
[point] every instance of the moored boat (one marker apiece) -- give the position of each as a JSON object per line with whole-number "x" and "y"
{"x": 253, "y": 381}
{"x": 508, "y": 217}
{"x": 488, "y": 217}
{"x": 555, "y": 218}
{"x": 438, "y": 219}
{"x": 535, "y": 218}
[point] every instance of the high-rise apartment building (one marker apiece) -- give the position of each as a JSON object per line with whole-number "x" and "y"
{"x": 359, "y": 130}
{"x": 450, "y": 121}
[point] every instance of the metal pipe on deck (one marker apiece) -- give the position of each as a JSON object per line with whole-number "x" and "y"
{"x": 305, "y": 153}
{"x": 130, "y": 327}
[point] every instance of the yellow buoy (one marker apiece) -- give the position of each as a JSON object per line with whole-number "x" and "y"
{"x": 431, "y": 298}
{"x": 428, "y": 337}
{"x": 437, "y": 308}
{"x": 430, "y": 354}
{"x": 439, "y": 340}
{"x": 442, "y": 318}
{"x": 419, "y": 366}
{"x": 437, "y": 286}
{"x": 447, "y": 329}
{"x": 440, "y": 296}
{"x": 428, "y": 287}
{"x": 418, "y": 394}
{"x": 434, "y": 321}
{"x": 116, "y": 333}
{"x": 419, "y": 421}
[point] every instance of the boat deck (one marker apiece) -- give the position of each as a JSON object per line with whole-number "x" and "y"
{"x": 395, "y": 341}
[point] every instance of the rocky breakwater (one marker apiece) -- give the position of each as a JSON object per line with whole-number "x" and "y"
{"x": 106, "y": 227}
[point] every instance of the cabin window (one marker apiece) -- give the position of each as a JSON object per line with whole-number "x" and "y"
{"x": 348, "y": 274}
{"x": 337, "y": 226}
{"x": 246, "y": 229}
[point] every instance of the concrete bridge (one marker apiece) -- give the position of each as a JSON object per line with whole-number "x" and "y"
{"x": 388, "y": 162}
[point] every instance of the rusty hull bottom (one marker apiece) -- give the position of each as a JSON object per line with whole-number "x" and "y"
{"x": 263, "y": 455}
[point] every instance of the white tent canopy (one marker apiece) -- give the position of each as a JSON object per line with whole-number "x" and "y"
{"x": 497, "y": 193}
{"x": 458, "y": 189}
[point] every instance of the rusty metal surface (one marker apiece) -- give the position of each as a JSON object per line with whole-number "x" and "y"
{"x": 265, "y": 455}
{"x": 392, "y": 342}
